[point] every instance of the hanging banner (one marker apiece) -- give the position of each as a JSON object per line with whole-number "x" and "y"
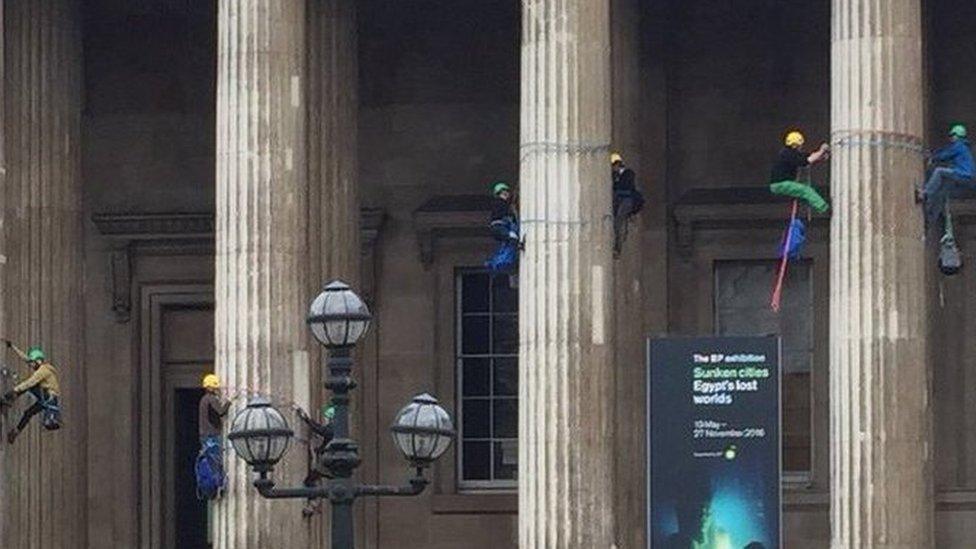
{"x": 714, "y": 443}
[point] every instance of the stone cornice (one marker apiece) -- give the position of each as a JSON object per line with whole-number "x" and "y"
{"x": 180, "y": 233}
{"x": 732, "y": 208}
{"x": 450, "y": 216}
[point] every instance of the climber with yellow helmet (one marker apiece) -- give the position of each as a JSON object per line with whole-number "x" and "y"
{"x": 209, "y": 466}
{"x": 213, "y": 408}
{"x": 43, "y": 385}
{"x": 783, "y": 179}
{"x": 627, "y": 200}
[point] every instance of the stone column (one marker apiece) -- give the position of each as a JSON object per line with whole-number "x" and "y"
{"x": 333, "y": 197}
{"x": 565, "y": 307}
{"x": 881, "y": 478}
{"x": 261, "y": 247}
{"x": 44, "y": 482}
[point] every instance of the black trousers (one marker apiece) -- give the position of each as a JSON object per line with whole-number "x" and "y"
{"x": 40, "y": 397}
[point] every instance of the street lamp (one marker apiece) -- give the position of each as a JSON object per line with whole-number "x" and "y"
{"x": 422, "y": 430}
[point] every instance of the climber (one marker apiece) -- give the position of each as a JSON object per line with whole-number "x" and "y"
{"x": 42, "y": 385}
{"x": 504, "y": 227}
{"x": 957, "y": 174}
{"x": 324, "y": 432}
{"x": 783, "y": 179}
{"x": 627, "y": 200}
{"x": 209, "y": 465}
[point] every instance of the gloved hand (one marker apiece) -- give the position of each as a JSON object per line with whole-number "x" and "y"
{"x": 9, "y": 343}
{"x": 8, "y": 397}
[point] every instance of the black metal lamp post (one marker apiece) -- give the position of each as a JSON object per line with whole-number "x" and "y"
{"x": 423, "y": 430}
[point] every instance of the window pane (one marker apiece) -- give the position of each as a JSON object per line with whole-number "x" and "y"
{"x": 504, "y": 297}
{"x": 476, "y": 377}
{"x": 506, "y": 377}
{"x": 504, "y": 334}
{"x": 474, "y": 293}
{"x": 474, "y": 335}
{"x": 477, "y": 461}
{"x": 505, "y": 418}
{"x": 506, "y": 460}
{"x": 476, "y": 418}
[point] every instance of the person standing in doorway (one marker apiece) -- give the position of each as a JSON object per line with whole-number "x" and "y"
{"x": 209, "y": 466}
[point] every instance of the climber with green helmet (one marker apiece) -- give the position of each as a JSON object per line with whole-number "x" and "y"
{"x": 504, "y": 227}
{"x": 324, "y": 431}
{"x": 43, "y": 385}
{"x": 956, "y": 173}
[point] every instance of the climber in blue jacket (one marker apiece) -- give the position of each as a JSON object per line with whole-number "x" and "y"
{"x": 505, "y": 229}
{"x": 956, "y": 172}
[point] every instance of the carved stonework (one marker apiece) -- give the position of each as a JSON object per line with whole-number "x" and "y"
{"x": 177, "y": 233}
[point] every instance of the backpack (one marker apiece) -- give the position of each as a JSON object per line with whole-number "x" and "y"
{"x": 209, "y": 469}
{"x": 950, "y": 258}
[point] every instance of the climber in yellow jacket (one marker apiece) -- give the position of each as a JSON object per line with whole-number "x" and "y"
{"x": 43, "y": 385}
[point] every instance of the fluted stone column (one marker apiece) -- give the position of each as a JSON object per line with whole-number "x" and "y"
{"x": 332, "y": 171}
{"x": 262, "y": 252}
{"x": 44, "y": 483}
{"x": 881, "y": 478}
{"x": 565, "y": 307}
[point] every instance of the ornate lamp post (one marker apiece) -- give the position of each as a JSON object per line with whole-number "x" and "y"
{"x": 423, "y": 430}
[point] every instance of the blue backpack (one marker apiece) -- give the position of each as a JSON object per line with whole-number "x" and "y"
{"x": 209, "y": 470}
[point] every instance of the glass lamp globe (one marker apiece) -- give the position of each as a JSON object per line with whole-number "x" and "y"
{"x": 423, "y": 430}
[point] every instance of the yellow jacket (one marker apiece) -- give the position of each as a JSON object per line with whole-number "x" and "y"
{"x": 46, "y": 376}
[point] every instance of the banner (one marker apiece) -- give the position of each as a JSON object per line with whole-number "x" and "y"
{"x": 714, "y": 443}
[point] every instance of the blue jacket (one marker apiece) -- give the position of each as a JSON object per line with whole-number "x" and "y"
{"x": 958, "y": 155}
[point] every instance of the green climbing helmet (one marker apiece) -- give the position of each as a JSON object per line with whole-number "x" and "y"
{"x": 35, "y": 354}
{"x": 958, "y": 131}
{"x": 498, "y": 187}
{"x": 328, "y": 412}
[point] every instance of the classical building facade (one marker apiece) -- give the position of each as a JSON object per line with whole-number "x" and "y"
{"x": 181, "y": 176}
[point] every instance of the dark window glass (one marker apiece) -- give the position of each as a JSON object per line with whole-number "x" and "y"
{"x": 504, "y": 337}
{"x": 476, "y": 418}
{"x": 476, "y": 376}
{"x": 475, "y": 337}
{"x": 477, "y": 460}
{"x": 475, "y": 296}
{"x": 505, "y": 418}
{"x": 487, "y": 361}
{"x": 506, "y": 377}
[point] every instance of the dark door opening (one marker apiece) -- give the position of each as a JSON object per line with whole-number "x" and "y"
{"x": 190, "y": 513}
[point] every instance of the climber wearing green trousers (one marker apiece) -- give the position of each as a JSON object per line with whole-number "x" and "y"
{"x": 788, "y": 163}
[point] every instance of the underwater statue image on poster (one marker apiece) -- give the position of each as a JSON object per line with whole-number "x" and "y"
{"x": 714, "y": 443}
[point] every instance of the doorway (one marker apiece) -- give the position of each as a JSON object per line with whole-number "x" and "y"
{"x": 178, "y": 350}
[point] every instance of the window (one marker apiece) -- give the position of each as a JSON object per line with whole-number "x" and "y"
{"x": 487, "y": 380}
{"x": 742, "y": 292}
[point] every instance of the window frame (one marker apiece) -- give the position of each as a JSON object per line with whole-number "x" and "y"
{"x": 491, "y": 485}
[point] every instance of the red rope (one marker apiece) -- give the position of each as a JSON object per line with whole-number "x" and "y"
{"x": 778, "y": 289}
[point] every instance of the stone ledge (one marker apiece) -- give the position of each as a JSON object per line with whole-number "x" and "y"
{"x": 475, "y": 504}
{"x": 733, "y": 208}
{"x": 172, "y": 233}
{"x": 450, "y": 216}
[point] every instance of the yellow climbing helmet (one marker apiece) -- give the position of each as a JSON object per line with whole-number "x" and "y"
{"x": 795, "y": 139}
{"x": 211, "y": 381}
{"x": 615, "y": 157}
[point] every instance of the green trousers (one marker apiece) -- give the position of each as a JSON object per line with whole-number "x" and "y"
{"x": 801, "y": 191}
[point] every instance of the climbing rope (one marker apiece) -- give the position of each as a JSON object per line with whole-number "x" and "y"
{"x": 781, "y": 276}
